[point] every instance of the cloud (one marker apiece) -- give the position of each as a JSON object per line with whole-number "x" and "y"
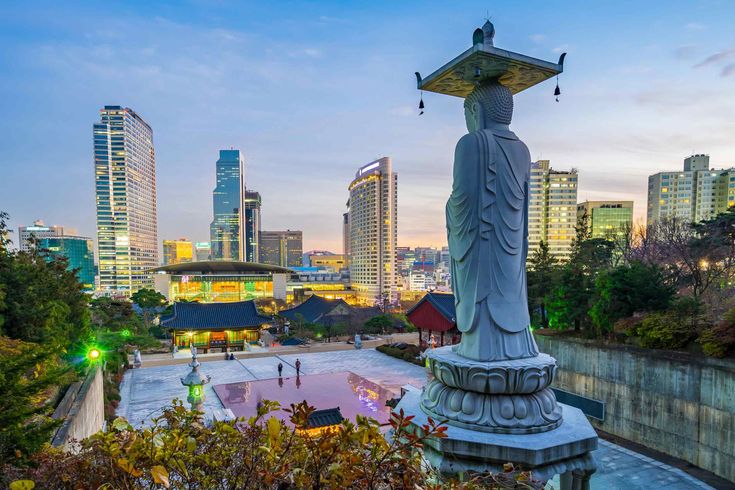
{"x": 537, "y": 38}
{"x": 685, "y": 52}
{"x": 728, "y": 70}
{"x": 695, "y": 26}
{"x": 563, "y": 48}
{"x": 403, "y": 111}
{"x": 716, "y": 58}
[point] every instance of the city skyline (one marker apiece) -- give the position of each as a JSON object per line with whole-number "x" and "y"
{"x": 647, "y": 99}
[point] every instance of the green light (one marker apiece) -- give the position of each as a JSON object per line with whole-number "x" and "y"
{"x": 125, "y": 333}
{"x": 94, "y": 354}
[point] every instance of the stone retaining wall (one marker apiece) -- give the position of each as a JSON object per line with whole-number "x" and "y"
{"x": 676, "y": 403}
{"x": 82, "y": 409}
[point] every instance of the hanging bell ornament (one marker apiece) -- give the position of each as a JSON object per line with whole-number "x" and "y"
{"x": 557, "y": 91}
{"x": 421, "y": 104}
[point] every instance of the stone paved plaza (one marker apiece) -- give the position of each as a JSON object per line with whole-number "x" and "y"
{"x": 145, "y": 391}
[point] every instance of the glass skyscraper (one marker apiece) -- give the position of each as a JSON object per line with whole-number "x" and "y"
{"x": 125, "y": 190}
{"x": 251, "y": 206}
{"x": 79, "y": 253}
{"x": 282, "y": 248}
{"x": 224, "y": 232}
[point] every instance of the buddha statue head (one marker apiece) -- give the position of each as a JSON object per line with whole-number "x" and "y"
{"x": 489, "y": 105}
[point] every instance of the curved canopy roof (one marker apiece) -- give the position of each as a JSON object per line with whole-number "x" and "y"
{"x": 221, "y": 267}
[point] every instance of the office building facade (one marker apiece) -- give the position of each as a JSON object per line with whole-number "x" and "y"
{"x": 695, "y": 194}
{"x": 202, "y": 251}
{"x": 373, "y": 222}
{"x": 79, "y": 253}
{"x": 39, "y": 231}
{"x": 606, "y": 219}
{"x": 251, "y": 226}
{"x": 125, "y": 189}
{"x": 227, "y": 200}
{"x": 177, "y": 251}
{"x": 552, "y": 209}
{"x": 281, "y": 248}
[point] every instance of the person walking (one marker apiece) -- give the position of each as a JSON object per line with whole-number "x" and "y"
{"x": 298, "y": 367}
{"x": 280, "y": 369}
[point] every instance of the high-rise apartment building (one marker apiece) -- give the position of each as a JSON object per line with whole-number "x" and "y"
{"x": 125, "y": 188}
{"x": 552, "y": 210}
{"x": 177, "y": 251}
{"x": 606, "y": 219}
{"x": 39, "y": 231}
{"x": 251, "y": 226}
{"x": 695, "y": 194}
{"x": 282, "y": 248}
{"x": 373, "y": 221}
{"x": 227, "y": 197}
{"x": 202, "y": 251}
{"x": 79, "y": 253}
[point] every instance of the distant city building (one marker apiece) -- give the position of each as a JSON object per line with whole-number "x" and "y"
{"x": 202, "y": 251}
{"x": 177, "y": 251}
{"x": 125, "y": 188}
{"x": 327, "y": 260}
{"x": 227, "y": 197}
{"x": 373, "y": 221}
{"x": 251, "y": 226}
{"x": 38, "y": 231}
{"x": 79, "y": 253}
{"x": 552, "y": 210}
{"x": 606, "y": 218}
{"x": 281, "y": 248}
{"x": 692, "y": 195}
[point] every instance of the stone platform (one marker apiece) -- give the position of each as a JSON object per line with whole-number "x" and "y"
{"x": 565, "y": 449}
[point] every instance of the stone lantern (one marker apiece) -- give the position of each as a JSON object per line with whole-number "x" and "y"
{"x": 195, "y": 381}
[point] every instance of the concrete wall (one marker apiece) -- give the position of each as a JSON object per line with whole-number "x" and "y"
{"x": 675, "y": 403}
{"x": 82, "y": 409}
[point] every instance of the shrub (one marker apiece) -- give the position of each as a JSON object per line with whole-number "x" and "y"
{"x": 178, "y": 452}
{"x": 719, "y": 340}
{"x": 663, "y": 331}
{"x": 409, "y": 353}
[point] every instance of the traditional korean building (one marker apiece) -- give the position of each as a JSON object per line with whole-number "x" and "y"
{"x": 319, "y": 310}
{"x": 212, "y": 326}
{"x": 434, "y": 315}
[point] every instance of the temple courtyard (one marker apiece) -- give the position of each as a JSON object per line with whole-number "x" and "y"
{"x": 147, "y": 390}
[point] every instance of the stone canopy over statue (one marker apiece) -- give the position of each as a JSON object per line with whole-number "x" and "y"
{"x": 495, "y": 382}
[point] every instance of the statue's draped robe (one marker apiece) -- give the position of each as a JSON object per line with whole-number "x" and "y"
{"x": 487, "y": 227}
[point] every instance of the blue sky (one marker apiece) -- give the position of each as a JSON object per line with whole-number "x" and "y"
{"x": 312, "y": 90}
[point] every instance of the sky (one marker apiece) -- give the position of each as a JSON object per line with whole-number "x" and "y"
{"x": 310, "y": 91}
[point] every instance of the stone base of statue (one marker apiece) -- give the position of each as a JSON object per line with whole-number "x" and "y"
{"x": 501, "y": 412}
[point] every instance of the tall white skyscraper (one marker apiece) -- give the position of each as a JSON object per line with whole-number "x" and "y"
{"x": 697, "y": 193}
{"x": 552, "y": 210}
{"x": 125, "y": 190}
{"x": 373, "y": 225}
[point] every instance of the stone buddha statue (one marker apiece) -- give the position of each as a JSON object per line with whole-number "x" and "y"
{"x": 487, "y": 228}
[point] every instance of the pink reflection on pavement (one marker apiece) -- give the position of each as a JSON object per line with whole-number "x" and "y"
{"x": 353, "y": 395}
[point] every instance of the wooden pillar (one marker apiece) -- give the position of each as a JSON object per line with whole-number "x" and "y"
{"x": 442, "y": 338}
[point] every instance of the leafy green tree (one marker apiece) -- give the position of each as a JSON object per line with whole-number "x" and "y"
{"x": 150, "y": 302}
{"x": 28, "y": 374}
{"x": 42, "y": 301}
{"x": 628, "y": 289}
{"x": 379, "y": 324}
{"x": 542, "y": 276}
{"x": 114, "y": 315}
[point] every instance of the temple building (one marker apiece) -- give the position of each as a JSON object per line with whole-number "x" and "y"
{"x": 210, "y": 327}
{"x": 217, "y": 281}
{"x": 434, "y": 316}
{"x": 319, "y": 310}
